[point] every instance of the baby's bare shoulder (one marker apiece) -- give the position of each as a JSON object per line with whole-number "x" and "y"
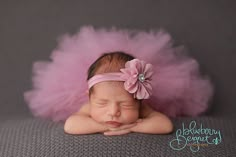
{"x": 146, "y": 110}
{"x": 85, "y": 109}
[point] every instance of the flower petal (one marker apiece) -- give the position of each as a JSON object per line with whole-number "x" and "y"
{"x": 131, "y": 88}
{"x": 141, "y": 92}
{"x": 148, "y": 71}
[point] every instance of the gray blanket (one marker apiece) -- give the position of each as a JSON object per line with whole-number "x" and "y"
{"x": 41, "y": 138}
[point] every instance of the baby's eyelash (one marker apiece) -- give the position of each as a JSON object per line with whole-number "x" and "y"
{"x": 101, "y": 104}
{"x": 127, "y": 105}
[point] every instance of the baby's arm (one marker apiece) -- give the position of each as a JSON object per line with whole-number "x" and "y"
{"x": 153, "y": 122}
{"x": 82, "y": 123}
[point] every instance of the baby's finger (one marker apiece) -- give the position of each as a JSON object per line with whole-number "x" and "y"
{"x": 114, "y": 129}
{"x": 119, "y": 132}
{"x": 128, "y": 126}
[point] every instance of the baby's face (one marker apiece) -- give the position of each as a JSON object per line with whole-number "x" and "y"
{"x": 112, "y": 105}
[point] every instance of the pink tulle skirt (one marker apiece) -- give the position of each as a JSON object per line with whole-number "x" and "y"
{"x": 59, "y": 86}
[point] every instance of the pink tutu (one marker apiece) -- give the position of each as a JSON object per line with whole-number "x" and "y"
{"x": 59, "y": 86}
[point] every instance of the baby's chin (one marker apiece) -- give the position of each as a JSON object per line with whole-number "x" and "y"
{"x": 122, "y": 122}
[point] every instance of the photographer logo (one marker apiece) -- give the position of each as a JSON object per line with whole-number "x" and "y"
{"x": 194, "y": 137}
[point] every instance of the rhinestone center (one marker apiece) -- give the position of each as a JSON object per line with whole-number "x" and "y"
{"x": 141, "y": 77}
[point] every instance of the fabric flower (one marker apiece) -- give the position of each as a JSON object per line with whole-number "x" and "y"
{"x": 137, "y": 75}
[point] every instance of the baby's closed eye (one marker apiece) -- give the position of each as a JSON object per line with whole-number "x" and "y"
{"x": 127, "y": 105}
{"x": 101, "y": 104}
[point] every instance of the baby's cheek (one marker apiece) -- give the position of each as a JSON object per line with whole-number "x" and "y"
{"x": 130, "y": 116}
{"x": 97, "y": 115}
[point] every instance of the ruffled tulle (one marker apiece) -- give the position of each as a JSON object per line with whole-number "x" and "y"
{"x": 60, "y": 87}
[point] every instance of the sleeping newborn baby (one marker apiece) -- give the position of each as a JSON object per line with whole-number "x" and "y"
{"x": 118, "y": 84}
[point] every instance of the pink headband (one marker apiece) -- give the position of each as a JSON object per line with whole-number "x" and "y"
{"x": 136, "y": 76}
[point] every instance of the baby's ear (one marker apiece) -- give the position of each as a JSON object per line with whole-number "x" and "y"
{"x": 87, "y": 92}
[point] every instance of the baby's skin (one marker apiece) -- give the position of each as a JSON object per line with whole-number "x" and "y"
{"x": 111, "y": 110}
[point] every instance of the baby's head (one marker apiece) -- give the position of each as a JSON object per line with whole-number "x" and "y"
{"x": 109, "y": 101}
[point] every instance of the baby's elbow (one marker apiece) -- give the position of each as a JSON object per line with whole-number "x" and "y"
{"x": 69, "y": 126}
{"x": 169, "y": 127}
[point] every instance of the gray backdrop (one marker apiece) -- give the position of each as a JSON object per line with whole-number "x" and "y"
{"x": 29, "y": 30}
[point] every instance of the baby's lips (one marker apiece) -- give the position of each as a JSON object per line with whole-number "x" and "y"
{"x": 113, "y": 124}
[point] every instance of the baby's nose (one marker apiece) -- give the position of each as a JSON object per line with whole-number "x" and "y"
{"x": 114, "y": 110}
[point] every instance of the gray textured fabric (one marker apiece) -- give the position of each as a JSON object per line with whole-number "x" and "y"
{"x": 34, "y": 137}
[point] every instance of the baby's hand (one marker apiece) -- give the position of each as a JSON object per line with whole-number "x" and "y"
{"x": 124, "y": 129}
